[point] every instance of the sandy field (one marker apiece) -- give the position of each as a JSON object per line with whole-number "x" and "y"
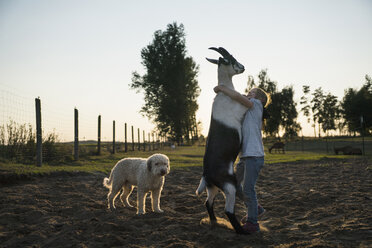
{"x": 308, "y": 204}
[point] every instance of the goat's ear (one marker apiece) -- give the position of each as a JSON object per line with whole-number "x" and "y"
{"x": 213, "y": 61}
{"x": 149, "y": 164}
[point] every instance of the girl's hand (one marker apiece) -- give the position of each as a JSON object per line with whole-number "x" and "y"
{"x": 217, "y": 89}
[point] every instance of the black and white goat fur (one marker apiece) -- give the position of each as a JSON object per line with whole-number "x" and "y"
{"x": 224, "y": 142}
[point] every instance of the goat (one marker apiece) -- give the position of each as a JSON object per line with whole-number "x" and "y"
{"x": 223, "y": 142}
{"x": 277, "y": 146}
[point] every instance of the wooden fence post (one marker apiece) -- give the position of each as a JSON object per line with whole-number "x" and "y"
{"x": 76, "y": 136}
{"x": 39, "y": 148}
{"x": 149, "y": 142}
{"x": 99, "y": 136}
{"x": 144, "y": 142}
{"x": 132, "y": 139}
{"x": 139, "y": 141}
{"x": 113, "y": 137}
{"x": 125, "y": 138}
{"x": 153, "y": 143}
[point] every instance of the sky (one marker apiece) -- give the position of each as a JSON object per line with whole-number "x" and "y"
{"x": 82, "y": 53}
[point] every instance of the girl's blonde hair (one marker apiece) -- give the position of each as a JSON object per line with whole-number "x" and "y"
{"x": 263, "y": 96}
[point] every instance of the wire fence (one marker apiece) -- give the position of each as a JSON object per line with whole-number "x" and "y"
{"x": 348, "y": 145}
{"x": 61, "y": 139}
{"x": 96, "y": 134}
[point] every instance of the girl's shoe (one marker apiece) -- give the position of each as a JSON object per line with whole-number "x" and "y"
{"x": 251, "y": 228}
{"x": 260, "y": 211}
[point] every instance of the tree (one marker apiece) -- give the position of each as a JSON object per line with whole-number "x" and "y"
{"x": 329, "y": 112}
{"x": 289, "y": 113}
{"x": 305, "y": 103}
{"x": 356, "y": 105}
{"x": 170, "y": 83}
{"x": 324, "y": 107}
{"x": 282, "y": 112}
{"x": 316, "y": 107}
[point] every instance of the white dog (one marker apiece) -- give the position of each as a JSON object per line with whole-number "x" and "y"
{"x": 147, "y": 174}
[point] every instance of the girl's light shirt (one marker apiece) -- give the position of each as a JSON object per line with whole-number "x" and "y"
{"x": 252, "y": 145}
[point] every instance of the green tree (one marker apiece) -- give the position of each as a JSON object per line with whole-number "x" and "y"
{"x": 329, "y": 112}
{"x": 324, "y": 109}
{"x": 289, "y": 113}
{"x": 282, "y": 112}
{"x": 170, "y": 83}
{"x": 316, "y": 108}
{"x": 305, "y": 102}
{"x": 357, "y": 104}
{"x": 272, "y": 124}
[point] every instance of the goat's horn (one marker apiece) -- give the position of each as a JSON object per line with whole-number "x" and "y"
{"x": 224, "y": 52}
{"x": 221, "y": 51}
{"x": 214, "y": 61}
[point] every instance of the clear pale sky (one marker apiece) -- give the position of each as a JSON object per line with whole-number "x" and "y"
{"x": 81, "y": 53}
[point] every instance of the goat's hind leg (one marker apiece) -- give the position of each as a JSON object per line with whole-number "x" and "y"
{"x": 230, "y": 193}
{"x": 212, "y": 192}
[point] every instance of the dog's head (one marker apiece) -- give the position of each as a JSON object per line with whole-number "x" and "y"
{"x": 158, "y": 164}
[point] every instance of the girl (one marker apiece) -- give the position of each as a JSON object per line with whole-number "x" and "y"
{"x": 252, "y": 152}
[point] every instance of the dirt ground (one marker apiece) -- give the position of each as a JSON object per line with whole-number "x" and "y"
{"x": 309, "y": 204}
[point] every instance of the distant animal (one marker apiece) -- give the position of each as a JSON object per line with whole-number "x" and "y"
{"x": 223, "y": 143}
{"x": 147, "y": 174}
{"x": 348, "y": 150}
{"x": 278, "y": 146}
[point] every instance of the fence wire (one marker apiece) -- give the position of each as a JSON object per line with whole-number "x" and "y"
{"x": 18, "y": 129}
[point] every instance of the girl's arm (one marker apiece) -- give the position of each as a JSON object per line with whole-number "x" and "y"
{"x": 236, "y": 96}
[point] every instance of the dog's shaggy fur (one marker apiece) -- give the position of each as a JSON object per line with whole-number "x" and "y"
{"x": 147, "y": 174}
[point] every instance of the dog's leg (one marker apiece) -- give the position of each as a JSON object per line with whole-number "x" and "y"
{"x": 141, "y": 198}
{"x": 230, "y": 192}
{"x": 212, "y": 192}
{"x": 127, "y": 190}
{"x": 155, "y": 200}
{"x": 112, "y": 195}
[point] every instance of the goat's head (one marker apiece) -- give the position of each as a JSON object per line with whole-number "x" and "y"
{"x": 232, "y": 66}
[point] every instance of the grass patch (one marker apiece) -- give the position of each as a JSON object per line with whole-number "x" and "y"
{"x": 180, "y": 157}
{"x": 295, "y": 156}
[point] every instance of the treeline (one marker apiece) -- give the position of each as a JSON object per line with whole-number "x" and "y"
{"x": 351, "y": 114}
{"x": 171, "y": 89}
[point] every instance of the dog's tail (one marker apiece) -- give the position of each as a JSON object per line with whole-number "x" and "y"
{"x": 202, "y": 186}
{"x": 107, "y": 182}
